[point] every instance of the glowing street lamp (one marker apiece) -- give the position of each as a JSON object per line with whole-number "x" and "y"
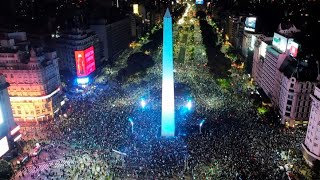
{"x": 143, "y": 103}
{"x": 189, "y": 104}
{"x": 131, "y": 122}
{"x": 200, "y": 125}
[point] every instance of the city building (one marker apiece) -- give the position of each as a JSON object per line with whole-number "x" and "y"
{"x": 78, "y": 40}
{"x": 9, "y": 130}
{"x": 34, "y": 79}
{"x": 115, "y": 36}
{"x": 259, "y": 44}
{"x": 296, "y": 86}
{"x": 311, "y": 144}
{"x": 270, "y": 80}
{"x": 234, "y": 30}
{"x": 286, "y": 79}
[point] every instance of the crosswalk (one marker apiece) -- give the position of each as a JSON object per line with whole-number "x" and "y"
{"x": 41, "y": 167}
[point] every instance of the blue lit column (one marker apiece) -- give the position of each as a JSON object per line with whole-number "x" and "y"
{"x": 167, "y": 118}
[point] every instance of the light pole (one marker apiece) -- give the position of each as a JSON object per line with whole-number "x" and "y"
{"x": 200, "y": 125}
{"x": 131, "y": 122}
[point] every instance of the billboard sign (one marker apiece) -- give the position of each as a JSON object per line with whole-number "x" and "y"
{"x": 135, "y": 9}
{"x": 85, "y": 62}
{"x": 4, "y": 146}
{"x": 250, "y": 24}
{"x": 199, "y": 1}
{"x": 292, "y": 48}
{"x": 279, "y": 42}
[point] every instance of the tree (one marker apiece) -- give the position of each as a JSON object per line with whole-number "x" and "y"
{"x": 6, "y": 170}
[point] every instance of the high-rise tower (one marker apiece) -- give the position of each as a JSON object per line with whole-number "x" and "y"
{"x": 167, "y": 118}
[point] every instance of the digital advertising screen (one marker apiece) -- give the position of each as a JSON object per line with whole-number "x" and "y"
{"x": 85, "y": 62}
{"x": 250, "y": 24}
{"x": 135, "y": 9}
{"x": 4, "y": 146}
{"x": 292, "y": 48}
{"x": 199, "y": 1}
{"x": 280, "y": 42}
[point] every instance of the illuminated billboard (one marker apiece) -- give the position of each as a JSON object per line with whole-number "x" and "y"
{"x": 199, "y": 1}
{"x": 135, "y": 9}
{"x": 292, "y": 48}
{"x": 84, "y": 80}
{"x": 250, "y": 24}
{"x": 4, "y": 146}
{"x": 85, "y": 62}
{"x": 280, "y": 42}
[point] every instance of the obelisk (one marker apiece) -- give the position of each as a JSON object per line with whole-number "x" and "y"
{"x": 167, "y": 115}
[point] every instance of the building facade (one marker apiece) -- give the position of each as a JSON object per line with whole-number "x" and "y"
{"x": 115, "y": 36}
{"x": 270, "y": 81}
{"x": 259, "y": 46}
{"x": 311, "y": 144}
{"x": 77, "y": 40}
{"x": 34, "y": 80}
{"x": 287, "y": 81}
{"x": 294, "y": 100}
{"x": 9, "y": 130}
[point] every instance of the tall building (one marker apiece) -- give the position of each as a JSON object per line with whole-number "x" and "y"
{"x": 167, "y": 116}
{"x": 34, "y": 79}
{"x": 311, "y": 145}
{"x": 115, "y": 36}
{"x": 286, "y": 79}
{"x": 270, "y": 81}
{"x": 259, "y": 45}
{"x": 9, "y": 130}
{"x": 296, "y": 86}
{"x": 234, "y": 29}
{"x": 77, "y": 40}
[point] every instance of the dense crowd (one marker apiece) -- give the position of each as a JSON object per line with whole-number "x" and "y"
{"x": 97, "y": 140}
{"x": 234, "y": 141}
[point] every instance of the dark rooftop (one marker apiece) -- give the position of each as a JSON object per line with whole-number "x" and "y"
{"x": 302, "y": 70}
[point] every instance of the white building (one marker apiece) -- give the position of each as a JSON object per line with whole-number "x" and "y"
{"x": 311, "y": 145}
{"x": 259, "y": 45}
{"x": 287, "y": 81}
{"x": 295, "y": 91}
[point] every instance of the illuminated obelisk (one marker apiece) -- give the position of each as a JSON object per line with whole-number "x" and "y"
{"x": 167, "y": 118}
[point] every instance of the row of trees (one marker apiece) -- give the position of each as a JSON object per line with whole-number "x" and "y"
{"x": 218, "y": 64}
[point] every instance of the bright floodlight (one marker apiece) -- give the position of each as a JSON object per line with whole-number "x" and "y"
{"x": 201, "y": 123}
{"x": 189, "y": 105}
{"x": 143, "y": 103}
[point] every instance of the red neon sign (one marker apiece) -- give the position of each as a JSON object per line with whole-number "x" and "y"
{"x": 85, "y": 62}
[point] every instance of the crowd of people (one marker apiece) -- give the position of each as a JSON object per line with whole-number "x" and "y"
{"x": 96, "y": 139}
{"x": 234, "y": 141}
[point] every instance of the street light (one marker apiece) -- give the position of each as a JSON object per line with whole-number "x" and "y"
{"x": 189, "y": 104}
{"x": 143, "y": 103}
{"x": 200, "y": 125}
{"x": 131, "y": 122}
